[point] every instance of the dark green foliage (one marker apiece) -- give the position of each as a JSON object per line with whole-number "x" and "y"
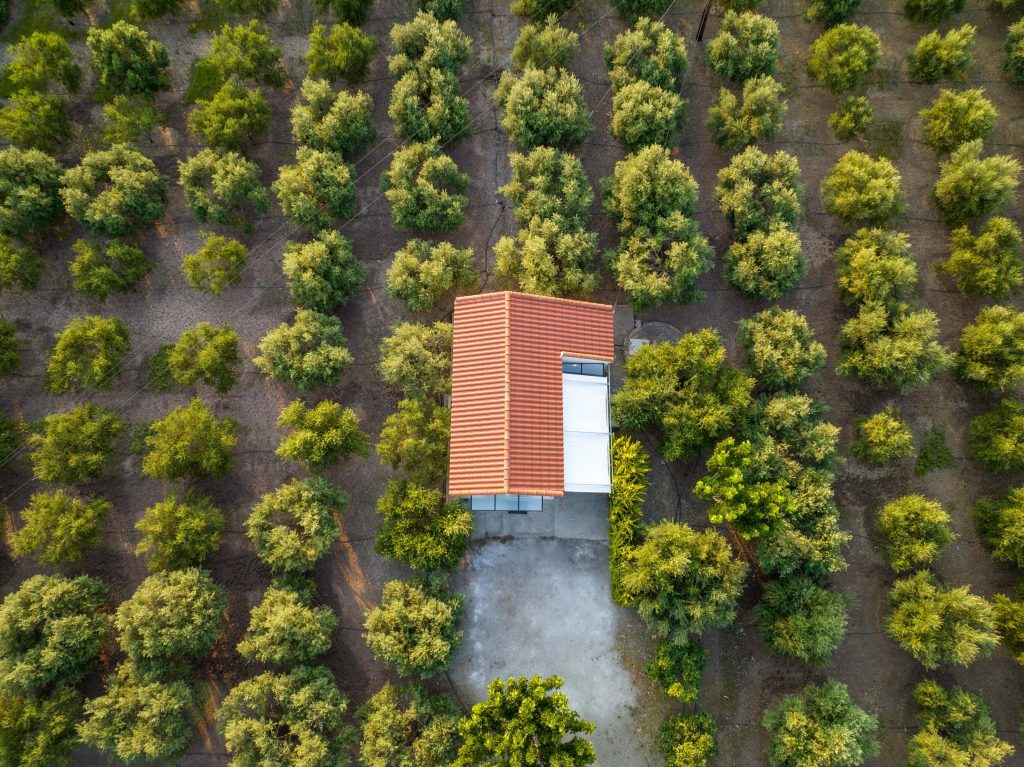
{"x": 87, "y": 354}
{"x": 943, "y": 57}
{"x": 294, "y": 526}
{"x": 421, "y": 528}
{"x": 204, "y": 353}
{"x": 97, "y": 271}
{"x": 179, "y": 533}
{"x": 971, "y": 186}
{"x": 414, "y": 440}
{"x": 875, "y": 266}
{"x": 800, "y": 618}
{"x": 647, "y": 51}
{"x": 339, "y": 52}
{"x": 634, "y": 10}
{"x": 59, "y": 528}
{"x": 427, "y": 105}
{"x": 997, "y": 437}
{"x": 830, "y": 12}
{"x": 539, "y": 9}
{"x": 422, "y": 273}
{"x": 29, "y": 192}
{"x": 688, "y": 740}
{"x": 231, "y": 118}
{"x": 217, "y": 265}
{"x": 51, "y": 632}
{"x": 882, "y": 438}
{"x": 991, "y": 350}
{"x": 548, "y": 183}
{"x": 127, "y": 118}
{"x": 415, "y": 629}
{"x": 1010, "y": 619}
{"x": 307, "y": 353}
{"x": 852, "y": 119}
{"x": 989, "y": 263}
{"x": 756, "y": 190}
{"x": 127, "y": 60}
{"x": 956, "y": 117}
{"x": 543, "y": 107}
{"x": 188, "y": 442}
{"x": 677, "y": 669}
{"x": 222, "y": 188}
{"x": 734, "y": 124}
{"x": 914, "y": 531}
{"x": 285, "y": 628}
{"x": 114, "y": 191}
{"x": 10, "y": 350}
{"x": 318, "y": 187}
{"x": 1014, "y": 48}
{"x": 956, "y": 726}
{"x": 38, "y": 60}
{"x": 426, "y": 43}
{"x": 684, "y": 390}
{"x": 934, "y": 453}
{"x": 931, "y": 11}
{"x": 767, "y": 264}
{"x": 405, "y": 726}
{"x": 1000, "y": 525}
{"x": 863, "y": 189}
{"x": 822, "y": 727}
{"x": 33, "y": 120}
{"x": 630, "y": 467}
{"x": 417, "y": 358}
{"x": 322, "y": 435}
{"x": 349, "y": 11}
{"x": 20, "y": 266}
{"x": 75, "y": 445}
{"x": 333, "y": 122}
{"x": 780, "y": 347}
{"x": 36, "y": 731}
{"x": 443, "y": 9}
{"x": 545, "y": 45}
{"x": 844, "y": 56}
{"x": 240, "y": 52}
{"x": 524, "y": 721}
{"x": 294, "y": 718}
{"x": 322, "y": 274}
{"x": 745, "y": 45}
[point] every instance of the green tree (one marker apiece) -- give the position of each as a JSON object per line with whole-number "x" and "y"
{"x": 633, "y": 202}
{"x": 955, "y": 726}
{"x": 956, "y": 117}
{"x": 420, "y": 528}
{"x": 1000, "y": 525}
{"x": 204, "y": 353}
{"x": 179, "y": 532}
{"x": 1010, "y": 620}
{"x": 33, "y": 120}
{"x": 931, "y": 11}
{"x": 423, "y": 272}
{"x": 339, "y": 52}
{"x": 59, "y": 528}
{"x": 539, "y": 9}
{"x": 217, "y": 265}
{"x": 938, "y": 624}
{"x": 943, "y": 57}
{"x": 549, "y": 257}
{"x": 427, "y": 104}
{"x": 349, "y": 11}
{"x": 685, "y": 391}
{"x": 545, "y": 45}
{"x": 688, "y": 740}
{"x": 882, "y": 438}
{"x": 10, "y": 348}
{"x": 30, "y": 201}
{"x": 822, "y": 727}
{"x": 844, "y": 56}
{"x": 318, "y": 187}
{"x": 241, "y": 52}
{"x": 114, "y": 191}
{"x": 308, "y": 352}
{"x": 852, "y": 118}
{"x": 875, "y": 266}
{"x": 647, "y": 51}
{"x": 87, "y": 354}
{"x": 677, "y": 669}
{"x": 75, "y": 445}
{"x": 996, "y": 438}
{"x": 934, "y": 452}
{"x": 425, "y": 188}
{"x": 426, "y": 43}
{"x": 682, "y": 581}
{"x": 322, "y": 435}
{"x": 333, "y": 122}
{"x": 39, "y": 730}
{"x": 294, "y": 526}
{"x": 20, "y": 266}
{"x": 970, "y": 186}
{"x": 38, "y": 60}
{"x": 417, "y": 358}
{"x": 988, "y": 264}
{"x": 1014, "y": 48}
{"x": 127, "y": 60}
{"x": 767, "y": 264}
{"x": 285, "y": 628}
{"x": 548, "y": 183}
{"x": 222, "y": 188}
{"x": 128, "y": 118}
{"x": 991, "y": 350}
{"x": 745, "y": 45}
{"x": 97, "y": 272}
{"x": 294, "y": 718}
{"x": 780, "y": 347}
{"x": 415, "y": 629}
{"x": 231, "y": 118}
{"x": 914, "y": 532}
{"x": 645, "y": 114}
{"x": 863, "y": 189}
{"x": 756, "y": 190}
{"x": 414, "y": 440}
{"x": 802, "y": 619}
{"x": 188, "y": 442}
{"x": 734, "y": 124}
{"x": 323, "y": 274}
{"x": 524, "y": 721}
{"x": 405, "y": 726}
{"x": 543, "y": 107}
{"x": 830, "y": 12}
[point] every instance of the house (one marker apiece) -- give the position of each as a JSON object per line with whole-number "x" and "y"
{"x": 529, "y": 406}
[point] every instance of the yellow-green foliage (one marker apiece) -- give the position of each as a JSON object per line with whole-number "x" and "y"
{"x": 630, "y": 468}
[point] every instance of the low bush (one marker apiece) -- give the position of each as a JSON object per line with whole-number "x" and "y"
{"x": 882, "y": 438}
{"x": 914, "y": 532}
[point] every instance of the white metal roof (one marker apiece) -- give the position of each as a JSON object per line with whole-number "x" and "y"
{"x": 587, "y": 440}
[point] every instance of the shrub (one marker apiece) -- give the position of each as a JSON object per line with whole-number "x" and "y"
{"x": 38, "y": 60}
{"x": 237, "y": 51}
{"x": 822, "y": 726}
{"x": 677, "y": 669}
{"x": 1014, "y": 48}
{"x": 934, "y": 453}
{"x": 548, "y": 183}
{"x": 20, "y": 266}
{"x": 852, "y": 118}
{"x": 39, "y": 729}
{"x": 955, "y": 725}
{"x": 179, "y": 533}
{"x": 988, "y": 264}
{"x": 426, "y": 43}
{"x": 318, "y": 187}
{"x": 1010, "y": 620}
{"x": 30, "y": 201}
{"x": 633, "y": 202}
{"x": 996, "y": 438}
{"x": 802, "y": 619}
{"x": 647, "y": 51}
{"x": 290, "y": 718}
{"x": 59, "y": 528}
{"x": 10, "y": 348}
{"x": 188, "y": 442}
{"x": 333, "y": 122}
{"x": 34, "y": 120}
{"x": 97, "y": 272}
{"x": 414, "y": 440}
{"x": 205, "y": 353}
{"x": 830, "y": 12}
{"x": 733, "y": 125}
{"x": 746, "y": 45}
{"x": 863, "y": 189}
{"x": 756, "y": 190}
{"x": 956, "y": 117}
{"x": 943, "y": 57}
{"x": 420, "y": 528}
{"x": 127, "y": 61}
{"x": 231, "y": 118}
{"x": 417, "y": 358}
{"x": 415, "y": 629}
{"x": 992, "y": 349}
{"x": 1001, "y": 526}
{"x": 322, "y": 274}
{"x": 780, "y": 347}
{"x": 427, "y": 105}
{"x": 914, "y": 532}
{"x": 349, "y": 11}
{"x": 843, "y": 57}
{"x": 114, "y": 191}
{"x": 217, "y": 265}
{"x": 545, "y": 45}
{"x": 549, "y": 257}
{"x": 339, "y": 52}
{"x": 406, "y": 725}
{"x": 767, "y": 265}
{"x": 875, "y": 266}
{"x": 931, "y": 11}
{"x": 645, "y": 114}
{"x": 543, "y": 107}
{"x": 285, "y": 629}
{"x": 937, "y": 624}
{"x": 970, "y": 186}
{"x": 688, "y": 740}
{"x": 538, "y": 9}
{"x": 307, "y": 353}
{"x": 87, "y": 354}
{"x": 322, "y": 435}
{"x": 127, "y": 118}
{"x": 443, "y": 9}
{"x": 222, "y": 188}
{"x": 295, "y": 525}
{"x": 423, "y": 273}
{"x": 630, "y": 467}
{"x": 685, "y": 391}
{"x": 75, "y": 445}
{"x": 882, "y": 438}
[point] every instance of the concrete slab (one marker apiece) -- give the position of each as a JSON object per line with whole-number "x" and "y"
{"x": 543, "y": 606}
{"x": 575, "y": 515}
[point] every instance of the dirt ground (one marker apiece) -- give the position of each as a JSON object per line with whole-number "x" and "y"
{"x": 742, "y": 678}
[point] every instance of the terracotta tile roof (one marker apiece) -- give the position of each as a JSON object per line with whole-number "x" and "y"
{"x": 507, "y": 388}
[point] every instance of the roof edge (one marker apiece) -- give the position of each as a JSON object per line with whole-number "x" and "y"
{"x": 509, "y": 294}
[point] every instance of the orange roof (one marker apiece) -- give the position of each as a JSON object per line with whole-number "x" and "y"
{"x": 506, "y": 409}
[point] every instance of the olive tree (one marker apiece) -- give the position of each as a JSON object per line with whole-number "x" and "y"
{"x": 294, "y": 526}
{"x": 414, "y": 439}
{"x": 956, "y": 117}
{"x": 875, "y": 266}
{"x": 339, "y": 52}
{"x": 802, "y": 619}
{"x": 21, "y": 267}
{"x": 75, "y": 445}
{"x": 758, "y": 117}
{"x": 308, "y": 352}
{"x": 971, "y": 186}
{"x": 543, "y": 45}
{"x": 222, "y": 188}
{"x": 955, "y": 726}
{"x": 59, "y": 528}
{"x": 991, "y": 350}
{"x": 240, "y": 52}
{"x": 322, "y": 274}
{"x": 543, "y": 107}
{"x": 30, "y": 201}
{"x": 745, "y": 45}
{"x": 989, "y": 263}
{"x": 87, "y": 354}
{"x": 830, "y": 12}
{"x": 549, "y": 257}
{"x": 1014, "y": 47}
{"x": 647, "y": 51}
{"x": 417, "y": 358}
{"x": 943, "y": 57}
{"x": 548, "y": 183}
{"x": 189, "y": 441}
{"x": 39, "y": 729}
{"x": 688, "y": 740}
{"x": 98, "y": 271}
{"x": 231, "y": 118}
{"x": 645, "y": 114}
{"x": 931, "y": 11}
{"x": 423, "y": 272}
{"x": 33, "y": 120}
{"x": 285, "y": 628}
{"x": 882, "y": 438}
{"x": 844, "y": 56}
{"x": 1000, "y": 525}
{"x": 914, "y": 532}
{"x": 406, "y": 725}
{"x": 757, "y": 190}
{"x": 996, "y": 438}
{"x": 427, "y": 104}
{"x": 425, "y": 188}
{"x": 179, "y": 532}
{"x": 204, "y": 353}
{"x": 318, "y": 187}
{"x": 127, "y": 60}
{"x": 126, "y": 119}
{"x": 333, "y": 122}
{"x": 863, "y": 189}
{"x": 36, "y": 61}
{"x": 767, "y": 264}
{"x": 325, "y": 434}
{"x": 426, "y": 43}
{"x": 217, "y": 265}
{"x": 633, "y": 202}
{"x": 10, "y": 348}
{"x": 780, "y": 347}
{"x": 852, "y": 119}
{"x": 421, "y": 528}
